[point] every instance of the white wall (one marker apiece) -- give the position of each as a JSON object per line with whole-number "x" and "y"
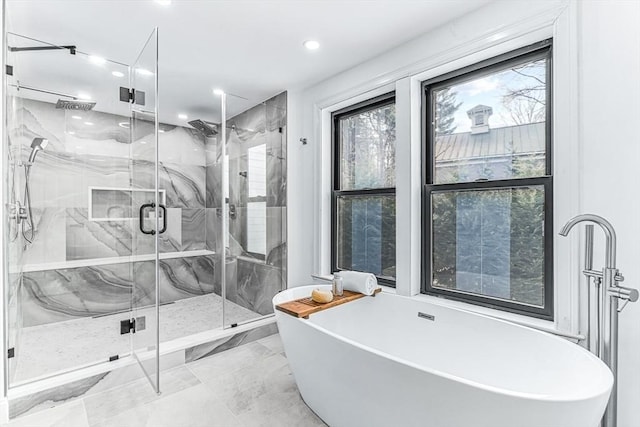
{"x": 610, "y": 139}
{"x": 596, "y": 155}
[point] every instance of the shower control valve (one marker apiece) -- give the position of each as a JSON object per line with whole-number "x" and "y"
{"x": 626, "y": 294}
{"x": 17, "y": 212}
{"x": 22, "y": 213}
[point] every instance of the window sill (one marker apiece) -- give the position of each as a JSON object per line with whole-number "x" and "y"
{"x": 531, "y": 322}
{"x": 323, "y": 279}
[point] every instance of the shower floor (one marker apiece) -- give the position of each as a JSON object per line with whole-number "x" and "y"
{"x": 48, "y": 349}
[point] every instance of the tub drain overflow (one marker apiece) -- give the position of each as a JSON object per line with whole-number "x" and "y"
{"x": 426, "y": 316}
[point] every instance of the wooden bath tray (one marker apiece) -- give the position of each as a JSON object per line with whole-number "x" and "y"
{"x": 303, "y": 307}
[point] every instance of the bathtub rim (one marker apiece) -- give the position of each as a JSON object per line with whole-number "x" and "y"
{"x": 453, "y": 377}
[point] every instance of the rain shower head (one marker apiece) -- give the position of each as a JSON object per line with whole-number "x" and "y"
{"x": 208, "y": 129}
{"x": 75, "y": 105}
{"x": 38, "y": 144}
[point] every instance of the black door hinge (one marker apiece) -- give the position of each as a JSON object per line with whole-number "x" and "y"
{"x": 131, "y": 96}
{"x": 127, "y": 325}
{"x": 11, "y": 353}
{"x": 9, "y": 70}
{"x": 233, "y": 325}
{"x": 112, "y": 358}
{"x": 127, "y": 95}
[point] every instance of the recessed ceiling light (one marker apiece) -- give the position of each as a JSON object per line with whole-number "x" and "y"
{"x": 84, "y": 96}
{"x": 88, "y": 123}
{"x": 117, "y": 74}
{"x": 161, "y": 130}
{"x": 71, "y": 132}
{"x": 77, "y": 117}
{"x": 311, "y": 44}
{"x": 143, "y": 142}
{"x": 97, "y": 60}
{"x": 125, "y": 125}
{"x": 183, "y": 116}
{"x": 218, "y": 92}
{"x": 163, "y": 2}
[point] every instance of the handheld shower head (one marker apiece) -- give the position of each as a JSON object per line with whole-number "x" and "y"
{"x": 38, "y": 144}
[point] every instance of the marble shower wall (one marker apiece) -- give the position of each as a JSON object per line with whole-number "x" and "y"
{"x": 258, "y": 276}
{"x": 95, "y": 151}
{"x": 80, "y": 156}
{"x": 69, "y": 293}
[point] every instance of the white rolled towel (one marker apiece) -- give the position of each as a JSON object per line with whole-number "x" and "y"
{"x": 365, "y": 283}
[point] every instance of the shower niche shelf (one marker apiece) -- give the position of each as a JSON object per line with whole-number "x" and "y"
{"x": 119, "y": 204}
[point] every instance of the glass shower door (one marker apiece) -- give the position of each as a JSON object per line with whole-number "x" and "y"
{"x": 79, "y": 270}
{"x": 255, "y": 230}
{"x": 147, "y": 204}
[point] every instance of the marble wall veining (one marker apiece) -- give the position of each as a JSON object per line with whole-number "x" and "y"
{"x": 79, "y": 264}
{"x": 64, "y": 294}
{"x": 77, "y": 227}
{"x": 102, "y": 156}
{"x": 259, "y": 276}
{"x": 264, "y": 124}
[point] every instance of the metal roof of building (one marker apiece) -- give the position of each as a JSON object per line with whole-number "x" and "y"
{"x": 498, "y": 142}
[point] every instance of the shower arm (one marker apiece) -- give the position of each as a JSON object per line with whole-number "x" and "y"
{"x": 20, "y": 86}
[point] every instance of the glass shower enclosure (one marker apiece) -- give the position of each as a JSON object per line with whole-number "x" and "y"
{"x": 83, "y": 208}
{"x": 130, "y": 232}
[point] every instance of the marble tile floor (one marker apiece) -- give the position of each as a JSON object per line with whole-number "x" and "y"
{"x": 47, "y": 349}
{"x": 247, "y": 386}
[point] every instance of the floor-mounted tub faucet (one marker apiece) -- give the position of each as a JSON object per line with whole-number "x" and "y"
{"x": 606, "y": 309}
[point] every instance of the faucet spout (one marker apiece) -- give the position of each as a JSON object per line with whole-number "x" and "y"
{"x": 609, "y": 232}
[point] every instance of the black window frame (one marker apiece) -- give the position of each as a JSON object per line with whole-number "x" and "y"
{"x": 540, "y": 50}
{"x": 370, "y": 104}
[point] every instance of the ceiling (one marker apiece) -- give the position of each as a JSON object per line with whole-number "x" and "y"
{"x": 248, "y": 48}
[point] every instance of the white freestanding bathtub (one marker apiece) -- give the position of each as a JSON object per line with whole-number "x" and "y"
{"x": 375, "y": 362}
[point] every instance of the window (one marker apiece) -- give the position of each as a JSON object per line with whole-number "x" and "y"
{"x": 487, "y": 200}
{"x": 363, "y": 204}
{"x": 257, "y": 202}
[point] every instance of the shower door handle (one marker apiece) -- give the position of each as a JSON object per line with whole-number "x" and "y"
{"x": 164, "y": 218}
{"x": 142, "y": 210}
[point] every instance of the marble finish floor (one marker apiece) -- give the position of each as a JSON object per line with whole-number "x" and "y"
{"x": 247, "y": 386}
{"x": 55, "y": 347}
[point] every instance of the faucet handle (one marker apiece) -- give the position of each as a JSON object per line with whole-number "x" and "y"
{"x": 632, "y": 295}
{"x": 624, "y": 304}
{"x": 626, "y": 294}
